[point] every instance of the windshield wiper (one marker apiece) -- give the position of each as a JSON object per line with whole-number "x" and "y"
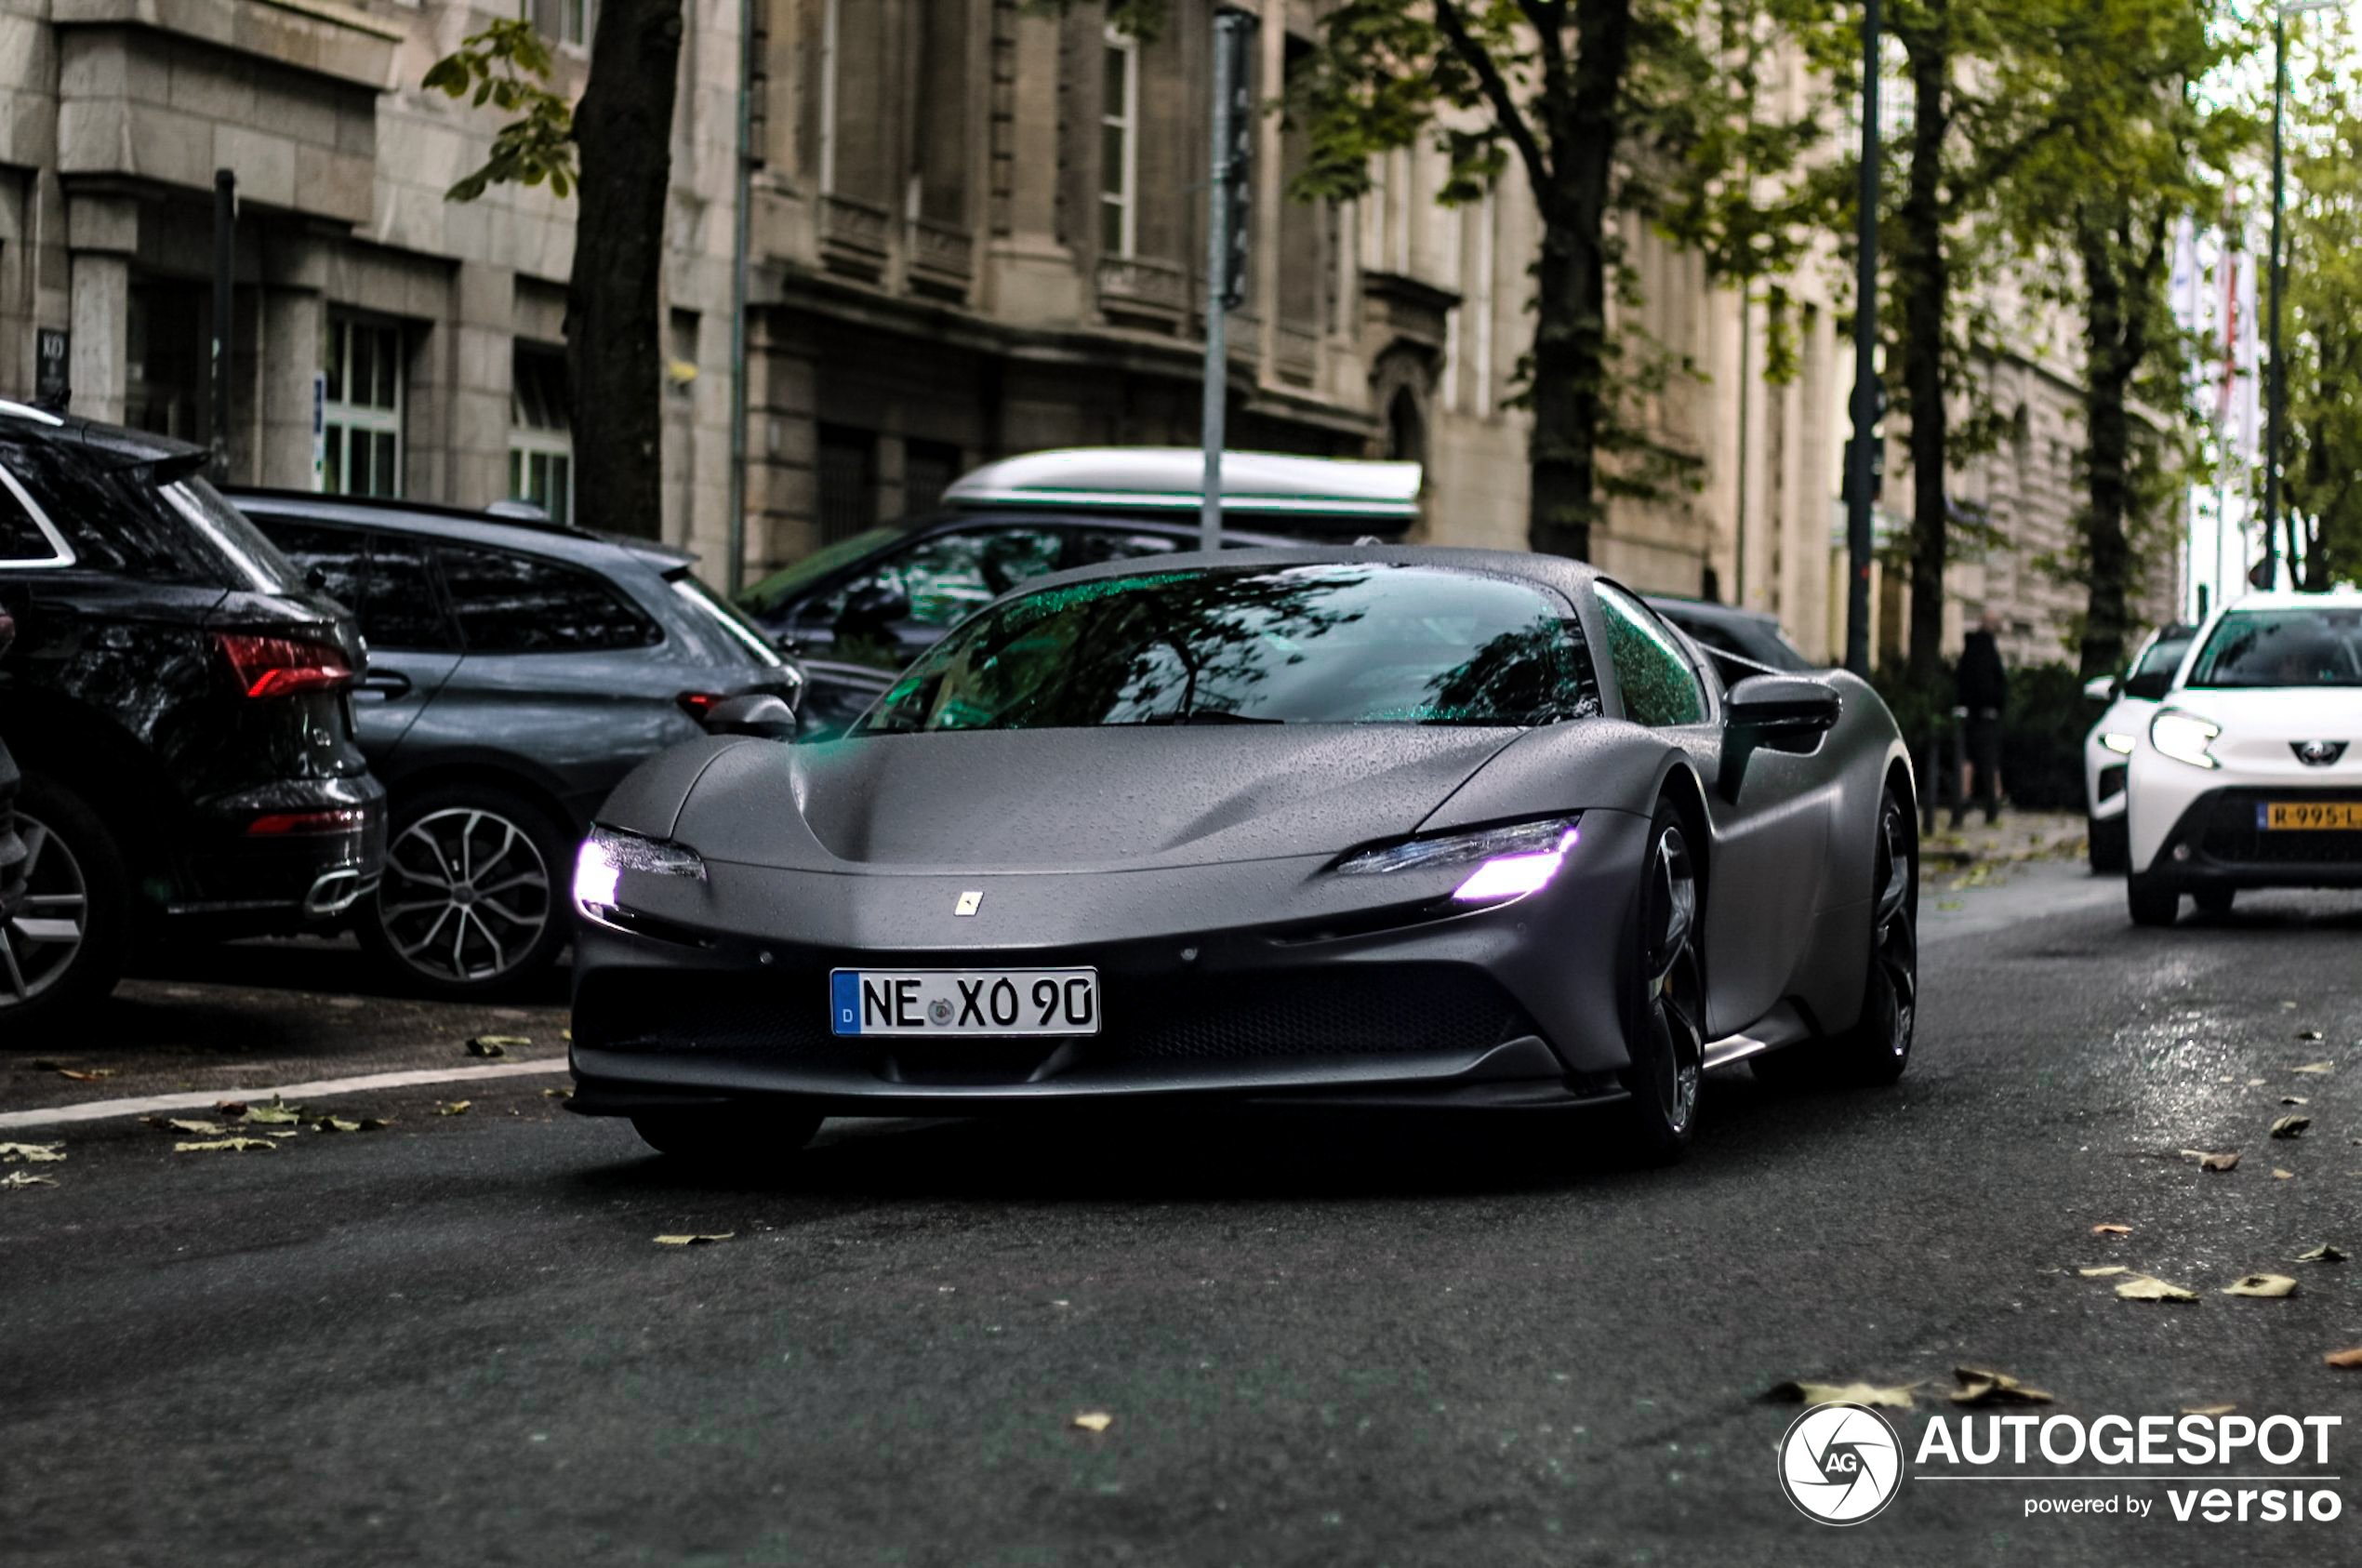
{"x": 1208, "y": 716}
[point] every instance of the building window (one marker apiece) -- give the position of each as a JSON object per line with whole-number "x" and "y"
{"x": 541, "y": 432}
{"x": 1120, "y": 147}
{"x": 563, "y": 21}
{"x": 848, "y": 482}
{"x": 364, "y": 363}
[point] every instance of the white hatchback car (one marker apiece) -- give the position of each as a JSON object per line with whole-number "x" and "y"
{"x": 2250, "y": 774}
{"x": 2130, "y": 702}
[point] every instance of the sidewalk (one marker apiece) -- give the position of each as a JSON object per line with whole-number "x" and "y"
{"x": 2020, "y": 835}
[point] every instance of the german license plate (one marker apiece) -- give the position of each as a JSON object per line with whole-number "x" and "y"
{"x": 2335, "y": 816}
{"x": 947, "y": 1003}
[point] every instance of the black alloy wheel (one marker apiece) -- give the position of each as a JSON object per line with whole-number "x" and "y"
{"x": 1667, "y": 1033}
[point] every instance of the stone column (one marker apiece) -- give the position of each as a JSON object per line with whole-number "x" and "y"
{"x": 483, "y": 369}
{"x": 102, "y": 232}
{"x": 294, "y": 278}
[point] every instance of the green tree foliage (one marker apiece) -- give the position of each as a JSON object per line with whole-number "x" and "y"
{"x": 2140, "y": 142}
{"x": 1610, "y": 110}
{"x": 2322, "y": 479}
{"x": 507, "y": 65}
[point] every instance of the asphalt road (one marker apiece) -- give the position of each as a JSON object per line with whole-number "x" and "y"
{"x": 1321, "y": 1339}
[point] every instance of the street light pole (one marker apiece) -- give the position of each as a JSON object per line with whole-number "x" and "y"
{"x": 1862, "y": 455}
{"x": 2275, "y": 394}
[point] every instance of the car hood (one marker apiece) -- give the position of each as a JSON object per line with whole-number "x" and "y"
{"x": 2278, "y": 712}
{"x": 1113, "y": 798}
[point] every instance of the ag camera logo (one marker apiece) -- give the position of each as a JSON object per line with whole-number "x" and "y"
{"x": 1841, "y": 1464}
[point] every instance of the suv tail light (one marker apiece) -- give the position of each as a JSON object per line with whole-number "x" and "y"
{"x": 697, "y": 704}
{"x": 273, "y": 665}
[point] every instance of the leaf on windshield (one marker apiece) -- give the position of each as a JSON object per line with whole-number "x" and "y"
{"x": 1803, "y": 1390}
{"x": 2213, "y": 1162}
{"x": 1981, "y": 1386}
{"x": 32, "y": 1153}
{"x": 2141, "y": 1287}
{"x": 2270, "y": 1285}
{"x": 2290, "y": 1126}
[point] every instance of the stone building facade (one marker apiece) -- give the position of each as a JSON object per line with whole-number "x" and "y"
{"x": 976, "y": 227}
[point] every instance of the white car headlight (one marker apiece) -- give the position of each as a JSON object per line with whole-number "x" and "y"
{"x": 2184, "y": 737}
{"x": 608, "y": 853}
{"x": 2120, "y": 744}
{"x": 1510, "y": 861}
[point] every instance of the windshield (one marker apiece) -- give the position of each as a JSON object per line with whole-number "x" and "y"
{"x": 2163, "y": 658}
{"x": 2300, "y": 647}
{"x": 1354, "y": 645}
{"x": 763, "y": 597}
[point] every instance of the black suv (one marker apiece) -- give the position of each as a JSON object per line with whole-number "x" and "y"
{"x": 179, "y": 702}
{"x": 518, "y": 669}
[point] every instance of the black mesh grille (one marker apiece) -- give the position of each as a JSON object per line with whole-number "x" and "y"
{"x": 2233, "y": 833}
{"x": 2111, "y": 781}
{"x": 1342, "y": 1012}
{"x": 783, "y": 1015}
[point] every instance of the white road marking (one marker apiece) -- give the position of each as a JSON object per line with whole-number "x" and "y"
{"x": 150, "y": 1105}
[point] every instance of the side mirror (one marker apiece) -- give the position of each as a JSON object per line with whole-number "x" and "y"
{"x": 1783, "y": 705}
{"x": 761, "y": 715}
{"x": 2099, "y": 689}
{"x": 2149, "y": 687}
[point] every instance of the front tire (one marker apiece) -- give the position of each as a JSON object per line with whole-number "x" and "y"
{"x": 470, "y": 905}
{"x": 2151, "y": 905}
{"x": 1668, "y": 1011}
{"x": 2111, "y": 845}
{"x": 65, "y": 948}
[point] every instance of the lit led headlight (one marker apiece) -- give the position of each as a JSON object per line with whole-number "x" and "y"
{"x": 2120, "y": 744}
{"x": 1509, "y": 862}
{"x": 2184, "y": 737}
{"x": 608, "y": 853}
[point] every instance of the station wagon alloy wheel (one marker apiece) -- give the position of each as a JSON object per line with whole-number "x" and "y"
{"x": 38, "y": 946}
{"x": 466, "y": 895}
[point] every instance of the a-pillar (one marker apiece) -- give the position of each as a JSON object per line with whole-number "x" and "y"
{"x": 295, "y": 282}
{"x": 102, "y": 232}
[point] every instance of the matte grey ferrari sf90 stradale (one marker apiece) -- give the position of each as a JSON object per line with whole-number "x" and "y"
{"x": 1379, "y": 826}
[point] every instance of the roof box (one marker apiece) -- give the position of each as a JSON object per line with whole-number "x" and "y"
{"x": 1311, "y": 494}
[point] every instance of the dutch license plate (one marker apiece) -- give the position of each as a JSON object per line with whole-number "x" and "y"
{"x": 2335, "y": 816}
{"x": 964, "y": 1001}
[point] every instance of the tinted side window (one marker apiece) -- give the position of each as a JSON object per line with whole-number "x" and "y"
{"x": 950, "y": 576}
{"x": 114, "y": 519}
{"x": 1088, "y": 547}
{"x": 22, "y": 537}
{"x": 1659, "y": 686}
{"x": 509, "y": 604}
{"x": 339, "y": 555}
{"x": 401, "y": 610}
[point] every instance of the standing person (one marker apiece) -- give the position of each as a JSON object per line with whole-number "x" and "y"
{"x": 1983, "y": 690}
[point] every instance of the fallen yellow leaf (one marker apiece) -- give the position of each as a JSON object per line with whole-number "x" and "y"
{"x": 2325, "y": 1252}
{"x": 1805, "y": 1391}
{"x": 2111, "y": 1231}
{"x": 1980, "y": 1387}
{"x": 2103, "y": 1273}
{"x": 2263, "y": 1285}
{"x": 693, "y": 1240}
{"x": 1094, "y": 1420}
{"x": 186, "y": 1124}
{"x": 2290, "y": 1126}
{"x": 32, "y": 1153}
{"x": 2213, "y": 1162}
{"x": 2141, "y": 1287}
{"x": 2316, "y": 1067}
{"x": 226, "y": 1146}
{"x": 2346, "y": 1358}
{"x": 452, "y": 1107}
{"x": 2208, "y": 1409}
{"x": 2279, "y": 1174}
{"x": 18, "y": 1180}
{"x": 495, "y": 1045}
{"x": 275, "y": 1114}
{"x": 92, "y": 1076}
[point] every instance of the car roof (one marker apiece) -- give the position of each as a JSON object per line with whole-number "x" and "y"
{"x": 451, "y": 522}
{"x": 1330, "y": 494}
{"x": 1706, "y": 609}
{"x": 1558, "y": 572}
{"x": 117, "y": 441}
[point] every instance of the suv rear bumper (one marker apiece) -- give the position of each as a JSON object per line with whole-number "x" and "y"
{"x": 231, "y": 883}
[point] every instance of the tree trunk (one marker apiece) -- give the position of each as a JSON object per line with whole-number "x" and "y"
{"x": 1571, "y": 385}
{"x": 623, "y": 128}
{"x": 1923, "y": 279}
{"x": 2110, "y": 359}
